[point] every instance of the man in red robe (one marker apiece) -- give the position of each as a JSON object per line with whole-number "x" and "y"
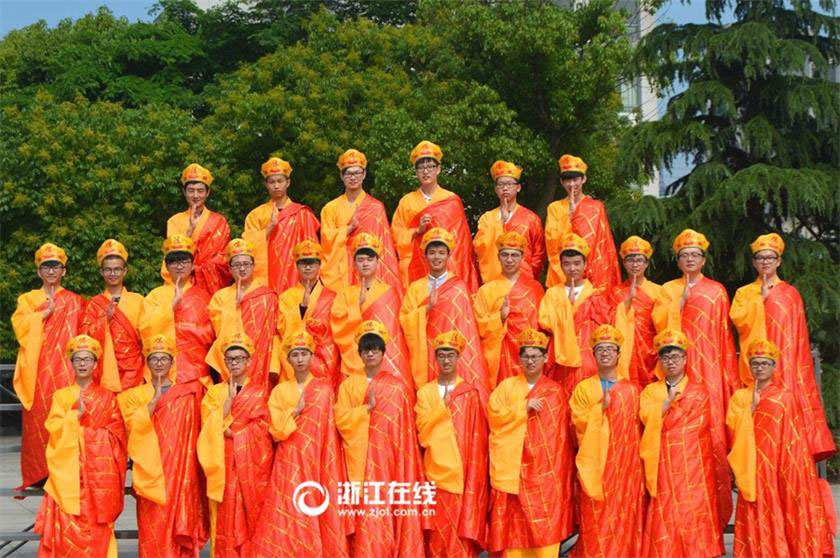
{"x": 587, "y": 218}
{"x": 302, "y": 422}
{"x": 771, "y": 308}
{"x": 275, "y": 228}
{"x": 113, "y": 319}
{"x": 509, "y": 217}
{"x": 208, "y": 230}
{"x": 44, "y": 322}
{"x": 86, "y": 456}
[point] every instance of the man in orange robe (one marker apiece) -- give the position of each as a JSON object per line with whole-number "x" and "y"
{"x": 531, "y": 459}
{"x": 434, "y": 304}
{"x": 44, "y": 322}
{"x": 505, "y": 307}
{"x": 344, "y": 218}
{"x": 179, "y": 311}
{"x": 605, "y": 414}
{"x": 677, "y": 449}
{"x": 208, "y": 230}
{"x": 113, "y": 319}
{"x": 374, "y": 416}
{"x": 780, "y": 509}
{"x": 771, "y": 308}
{"x": 587, "y": 218}
{"x": 235, "y": 451}
{"x": 452, "y": 428}
{"x": 163, "y": 419}
{"x": 86, "y": 457}
{"x": 699, "y": 307}
{"x": 275, "y": 227}
{"x": 245, "y": 307}
{"x": 630, "y": 309}
{"x": 371, "y": 299}
{"x": 302, "y": 422}
{"x": 508, "y": 217}
{"x": 307, "y": 305}
{"x": 428, "y": 207}
{"x": 572, "y": 311}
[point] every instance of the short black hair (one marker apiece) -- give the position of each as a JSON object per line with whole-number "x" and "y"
{"x": 423, "y": 160}
{"x": 571, "y": 174}
{"x": 177, "y": 256}
{"x": 436, "y": 243}
{"x": 370, "y": 341}
{"x": 571, "y": 254}
{"x": 307, "y": 260}
{"x": 184, "y": 187}
{"x": 113, "y": 257}
{"x": 540, "y": 349}
{"x": 234, "y": 347}
{"x": 365, "y": 252}
{"x": 668, "y": 348}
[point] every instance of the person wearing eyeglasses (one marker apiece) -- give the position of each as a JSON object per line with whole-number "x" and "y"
{"x": 302, "y": 422}
{"x": 428, "y": 207}
{"x": 113, "y": 319}
{"x": 344, "y": 218}
{"x": 277, "y": 226}
{"x": 235, "y": 450}
{"x": 605, "y": 416}
{"x": 374, "y": 413}
{"x": 86, "y": 457}
{"x": 781, "y": 508}
{"x": 772, "y": 308}
{"x": 247, "y": 307}
{"x": 44, "y": 322}
{"x": 163, "y": 420}
{"x": 208, "y": 230}
{"x": 531, "y": 458}
{"x": 179, "y": 310}
{"x": 508, "y": 217}
{"x": 677, "y": 449}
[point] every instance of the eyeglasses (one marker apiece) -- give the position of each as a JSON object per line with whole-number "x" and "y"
{"x": 241, "y": 265}
{"x": 112, "y": 270}
{"x": 180, "y": 263}
{"x": 427, "y": 167}
{"x": 690, "y": 255}
{"x": 236, "y": 359}
{"x": 354, "y": 174}
{"x": 531, "y": 358}
{"x": 763, "y": 259}
{"x": 760, "y": 364}
{"x": 506, "y": 184}
{"x": 605, "y": 349}
{"x": 160, "y": 360}
{"x": 671, "y": 358}
{"x": 635, "y": 259}
{"x": 83, "y": 360}
{"x": 308, "y": 263}
{"x": 50, "y": 268}
{"x": 369, "y": 351}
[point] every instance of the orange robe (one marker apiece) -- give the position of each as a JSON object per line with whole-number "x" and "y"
{"x": 705, "y": 321}
{"x": 380, "y": 446}
{"x": 571, "y": 326}
{"x": 381, "y": 303}
{"x": 453, "y": 310}
{"x": 447, "y": 212}
{"x": 257, "y": 317}
{"x": 498, "y": 339}
{"x": 210, "y": 235}
{"x": 236, "y": 468}
{"x": 274, "y": 265}
{"x": 188, "y": 323}
{"x": 326, "y": 360}
{"x": 172, "y": 514}
{"x": 638, "y": 355}
{"x": 490, "y": 227}
{"x": 612, "y": 496}
{"x": 122, "y": 362}
{"x": 308, "y": 449}
{"x": 590, "y": 223}
{"x": 780, "y": 511}
{"x": 338, "y": 270}
{"x": 678, "y": 453}
{"x": 42, "y": 368}
{"x": 531, "y": 467}
{"x": 781, "y": 319}
{"x": 453, "y": 434}
{"x": 87, "y": 460}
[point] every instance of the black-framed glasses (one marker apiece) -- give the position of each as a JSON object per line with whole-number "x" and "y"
{"x": 160, "y": 360}
{"x": 605, "y": 349}
{"x": 354, "y": 174}
{"x": 180, "y": 263}
{"x": 51, "y": 267}
{"x": 112, "y": 270}
{"x": 371, "y": 351}
{"x": 531, "y": 358}
{"x": 690, "y": 255}
{"x": 426, "y": 167}
{"x": 236, "y": 359}
{"x": 506, "y": 184}
{"x": 771, "y": 258}
{"x": 761, "y": 364}
{"x": 83, "y": 360}
{"x": 635, "y": 260}
{"x": 671, "y": 358}
{"x": 241, "y": 265}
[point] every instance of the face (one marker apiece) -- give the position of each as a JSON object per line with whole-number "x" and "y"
{"x": 365, "y": 265}
{"x": 277, "y": 185}
{"x": 635, "y": 265}
{"x": 573, "y": 267}
{"x": 437, "y": 256}
{"x": 691, "y": 260}
{"x": 51, "y": 273}
{"x": 236, "y": 361}
{"x": 180, "y": 269}
{"x": 372, "y": 358}
{"x": 196, "y": 193}
{"x": 159, "y": 363}
{"x": 309, "y": 269}
{"x": 113, "y": 271}
{"x": 766, "y": 262}
{"x": 606, "y": 355}
{"x": 299, "y": 359}
{"x": 353, "y": 177}
{"x": 532, "y": 359}
{"x": 507, "y": 188}
{"x": 241, "y": 267}
{"x": 447, "y": 360}
{"x": 511, "y": 260}
{"x": 427, "y": 171}
{"x": 83, "y": 363}
{"x": 572, "y": 183}
{"x": 762, "y": 368}
{"x": 673, "y": 362}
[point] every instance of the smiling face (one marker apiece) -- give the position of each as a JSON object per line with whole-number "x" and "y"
{"x": 572, "y": 182}
{"x": 112, "y": 269}
{"x": 437, "y": 255}
{"x": 299, "y": 359}
{"x": 766, "y": 262}
{"x": 241, "y": 267}
{"x": 427, "y": 170}
{"x": 762, "y": 369}
{"x": 606, "y": 355}
{"x": 573, "y": 266}
{"x": 447, "y": 360}
{"x": 83, "y": 363}
{"x": 506, "y": 189}
{"x": 159, "y": 364}
{"x": 309, "y": 269}
{"x": 532, "y": 359}
{"x": 277, "y": 185}
{"x": 673, "y": 361}
{"x": 236, "y": 361}
{"x": 691, "y": 260}
{"x": 353, "y": 178}
{"x": 511, "y": 260}
{"x": 196, "y": 193}
{"x": 51, "y": 273}
{"x": 179, "y": 265}
{"x": 635, "y": 265}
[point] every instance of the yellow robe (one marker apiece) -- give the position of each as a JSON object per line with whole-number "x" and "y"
{"x": 592, "y": 428}
{"x": 488, "y": 304}
{"x": 130, "y": 304}
{"x": 352, "y": 420}
{"x": 335, "y": 216}
{"x": 557, "y": 314}
{"x": 650, "y": 411}
{"x": 29, "y": 329}
{"x": 508, "y": 419}
{"x": 410, "y": 205}
{"x": 436, "y": 433}
{"x": 143, "y": 447}
{"x": 345, "y": 317}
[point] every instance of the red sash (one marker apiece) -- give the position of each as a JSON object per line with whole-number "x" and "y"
{"x": 295, "y": 223}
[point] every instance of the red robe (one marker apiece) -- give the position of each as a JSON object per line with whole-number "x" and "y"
{"x": 259, "y": 318}
{"x": 523, "y": 221}
{"x": 643, "y": 356}
{"x": 373, "y": 219}
{"x": 128, "y": 347}
{"x": 210, "y": 267}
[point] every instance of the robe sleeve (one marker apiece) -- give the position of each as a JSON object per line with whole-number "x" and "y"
{"x": 143, "y": 447}
{"x": 210, "y": 446}
{"x": 557, "y": 316}
{"x": 491, "y": 328}
{"x": 413, "y": 320}
{"x": 489, "y": 229}
{"x": 63, "y": 447}
{"x": 650, "y": 413}
{"x": 281, "y": 408}
{"x": 345, "y": 317}
{"x": 742, "y": 457}
{"x": 593, "y": 433}
{"x": 508, "y": 418}
{"x": 352, "y": 420}
{"x": 28, "y": 325}
{"x": 436, "y": 433}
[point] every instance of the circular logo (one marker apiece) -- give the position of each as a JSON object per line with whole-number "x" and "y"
{"x": 300, "y": 494}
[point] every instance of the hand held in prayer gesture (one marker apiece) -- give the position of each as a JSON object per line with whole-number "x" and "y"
{"x": 573, "y": 200}
{"x": 504, "y": 211}
{"x": 432, "y": 298}
{"x": 686, "y": 293}
{"x": 534, "y": 405}
{"x": 155, "y": 398}
{"x": 239, "y": 292}
{"x": 756, "y": 398}
{"x": 299, "y": 408}
{"x": 177, "y": 298}
{"x": 606, "y": 400}
{"x": 50, "y": 304}
{"x": 195, "y": 213}
{"x": 363, "y": 293}
{"x": 673, "y": 393}
{"x": 307, "y": 290}
{"x": 275, "y": 216}
{"x": 765, "y": 286}
{"x": 505, "y": 309}
{"x": 81, "y": 405}
{"x": 631, "y": 294}
{"x": 371, "y": 401}
{"x": 354, "y": 223}
{"x": 572, "y": 292}
{"x": 425, "y": 221}
{"x": 112, "y": 306}
{"x": 230, "y": 395}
